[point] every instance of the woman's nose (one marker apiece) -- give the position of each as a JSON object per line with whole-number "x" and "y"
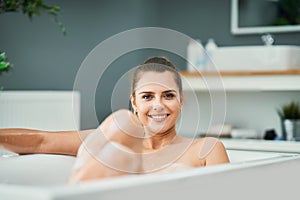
{"x": 158, "y": 105}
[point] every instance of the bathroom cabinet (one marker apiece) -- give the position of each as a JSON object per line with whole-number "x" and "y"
{"x": 243, "y": 80}
{"x": 251, "y": 98}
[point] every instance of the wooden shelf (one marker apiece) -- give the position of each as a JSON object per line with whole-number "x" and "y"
{"x": 241, "y": 73}
{"x": 288, "y": 80}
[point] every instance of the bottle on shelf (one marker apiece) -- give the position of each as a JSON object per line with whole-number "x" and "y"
{"x": 195, "y": 56}
{"x": 210, "y": 47}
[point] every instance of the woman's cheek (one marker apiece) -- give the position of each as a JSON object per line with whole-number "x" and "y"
{"x": 142, "y": 112}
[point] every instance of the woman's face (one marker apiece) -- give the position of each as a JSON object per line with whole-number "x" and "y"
{"x": 157, "y": 101}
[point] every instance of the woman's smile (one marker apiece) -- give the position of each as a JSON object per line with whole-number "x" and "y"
{"x": 158, "y": 117}
{"x": 157, "y": 102}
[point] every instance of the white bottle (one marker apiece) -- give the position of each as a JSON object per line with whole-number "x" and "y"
{"x": 195, "y": 56}
{"x": 210, "y": 47}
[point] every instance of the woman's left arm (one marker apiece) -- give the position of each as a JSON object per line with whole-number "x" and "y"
{"x": 213, "y": 152}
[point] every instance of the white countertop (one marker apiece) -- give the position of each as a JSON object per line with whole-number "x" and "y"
{"x": 262, "y": 145}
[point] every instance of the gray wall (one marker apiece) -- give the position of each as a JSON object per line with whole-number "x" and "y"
{"x": 44, "y": 59}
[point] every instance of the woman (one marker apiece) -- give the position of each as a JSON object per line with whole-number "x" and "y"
{"x": 127, "y": 143}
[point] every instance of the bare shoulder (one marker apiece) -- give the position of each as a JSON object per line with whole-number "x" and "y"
{"x": 211, "y": 151}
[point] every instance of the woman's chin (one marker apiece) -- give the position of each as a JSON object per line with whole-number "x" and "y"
{"x": 155, "y": 128}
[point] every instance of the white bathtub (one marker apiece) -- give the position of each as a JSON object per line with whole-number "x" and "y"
{"x": 249, "y": 175}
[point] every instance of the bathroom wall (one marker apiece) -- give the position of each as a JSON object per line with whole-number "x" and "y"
{"x": 255, "y": 110}
{"x": 44, "y": 59}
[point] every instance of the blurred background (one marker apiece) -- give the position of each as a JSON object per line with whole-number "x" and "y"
{"x": 44, "y": 59}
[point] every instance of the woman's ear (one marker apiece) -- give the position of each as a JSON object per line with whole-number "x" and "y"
{"x": 133, "y": 104}
{"x": 181, "y": 99}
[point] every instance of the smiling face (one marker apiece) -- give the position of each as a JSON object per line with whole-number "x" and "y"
{"x": 157, "y": 101}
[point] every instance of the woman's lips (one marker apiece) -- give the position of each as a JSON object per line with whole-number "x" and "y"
{"x": 159, "y": 118}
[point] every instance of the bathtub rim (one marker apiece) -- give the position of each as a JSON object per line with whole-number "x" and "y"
{"x": 108, "y": 185}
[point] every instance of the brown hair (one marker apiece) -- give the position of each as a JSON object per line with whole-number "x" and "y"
{"x": 155, "y": 64}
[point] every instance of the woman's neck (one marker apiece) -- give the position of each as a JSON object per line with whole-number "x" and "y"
{"x": 159, "y": 140}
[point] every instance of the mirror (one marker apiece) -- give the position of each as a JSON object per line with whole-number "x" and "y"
{"x": 264, "y": 16}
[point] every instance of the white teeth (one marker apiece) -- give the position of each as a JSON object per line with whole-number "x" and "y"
{"x": 159, "y": 117}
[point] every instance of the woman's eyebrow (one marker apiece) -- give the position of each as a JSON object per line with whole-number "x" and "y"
{"x": 146, "y": 92}
{"x": 150, "y": 92}
{"x": 167, "y": 91}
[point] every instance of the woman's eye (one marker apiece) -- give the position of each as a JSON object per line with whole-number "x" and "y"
{"x": 169, "y": 95}
{"x": 147, "y": 97}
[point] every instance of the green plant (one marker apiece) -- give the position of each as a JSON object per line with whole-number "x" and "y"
{"x": 289, "y": 12}
{"x": 31, "y": 8}
{"x": 4, "y": 64}
{"x": 289, "y": 111}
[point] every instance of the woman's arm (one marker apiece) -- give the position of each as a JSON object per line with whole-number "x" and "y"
{"x": 213, "y": 152}
{"x": 26, "y": 141}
